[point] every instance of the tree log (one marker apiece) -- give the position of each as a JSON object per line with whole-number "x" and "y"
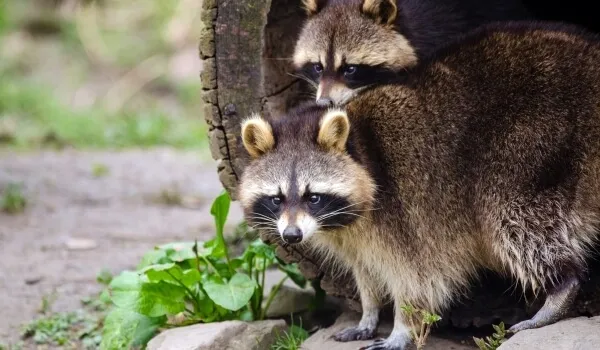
{"x": 246, "y": 47}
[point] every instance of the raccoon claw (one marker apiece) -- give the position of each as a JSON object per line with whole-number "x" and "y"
{"x": 521, "y": 326}
{"x": 354, "y": 333}
{"x": 382, "y": 344}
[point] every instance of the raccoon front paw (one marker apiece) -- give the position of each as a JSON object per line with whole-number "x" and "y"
{"x": 384, "y": 344}
{"x": 355, "y": 333}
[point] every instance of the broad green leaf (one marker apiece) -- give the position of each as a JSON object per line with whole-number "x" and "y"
{"x": 262, "y": 263}
{"x": 172, "y": 273}
{"x": 155, "y": 256}
{"x": 213, "y": 248}
{"x": 191, "y": 277}
{"x": 205, "y": 308}
{"x": 125, "y": 329}
{"x": 247, "y": 316}
{"x": 150, "y": 299}
{"x": 220, "y": 210}
{"x": 236, "y": 263}
{"x": 293, "y": 273}
{"x": 158, "y": 299}
{"x": 222, "y": 267}
{"x": 262, "y": 249}
{"x": 125, "y": 289}
{"x": 232, "y": 295}
{"x": 179, "y": 251}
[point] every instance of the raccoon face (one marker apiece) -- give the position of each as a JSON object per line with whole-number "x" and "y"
{"x": 348, "y": 46}
{"x": 296, "y": 185}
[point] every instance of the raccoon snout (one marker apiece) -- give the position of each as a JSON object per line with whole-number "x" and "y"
{"x": 292, "y": 234}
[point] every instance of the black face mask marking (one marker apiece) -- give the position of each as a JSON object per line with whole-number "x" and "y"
{"x": 266, "y": 210}
{"x": 331, "y": 211}
{"x": 353, "y": 76}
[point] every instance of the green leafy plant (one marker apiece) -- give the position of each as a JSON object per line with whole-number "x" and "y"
{"x": 420, "y": 324}
{"x": 290, "y": 339}
{"x": 13, "y": 201}
{"x": 493, "y": 342}
{"x": 190, "y": 282}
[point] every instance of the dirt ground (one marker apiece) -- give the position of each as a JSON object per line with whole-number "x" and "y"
{"x": 77, "y": 223}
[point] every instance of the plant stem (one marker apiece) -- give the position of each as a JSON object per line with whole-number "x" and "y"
{"x": 272, "y": 294}
{"x": 262, "y": 286}
{"x": 225, "y": 249}
{"x": 422, "y": 332}
{"x": 413, "y": 328}
{"x": 197, "y": 256}
{"x": 212, "y": 266}
{"x": 257, "y": 296}
{"x": 193, "y": 295}
{"x": 427, "y": 330}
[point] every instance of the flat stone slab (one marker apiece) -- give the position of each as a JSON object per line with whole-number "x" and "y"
{"x": 230, "y": 335}
{"x": 322, "y": 339}
{"x": 581, "y": 333}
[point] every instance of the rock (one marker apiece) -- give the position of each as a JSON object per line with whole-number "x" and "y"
{"x": 292, "y": 299}
{"x": 322, "y": 339}
{"x": 229, "y": 335}
{"x": 581, "y": 333}
{"x": 289, "y": 300}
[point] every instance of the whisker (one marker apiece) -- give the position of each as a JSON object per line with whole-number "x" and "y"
{"x": 264, "y": 225}
{"x": 346, "y": 207}
{"x": 307, "y": 79}
{"x": 340, "y": 213}
{"x": 263, "y": 216}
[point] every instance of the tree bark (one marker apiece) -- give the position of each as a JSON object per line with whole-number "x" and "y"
{"x": 246, "y": 47}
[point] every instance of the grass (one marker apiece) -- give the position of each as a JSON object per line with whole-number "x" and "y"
{"x": 80, "y": 329}
{"x": 66, "y": 329}
{"x": 40, "y": 119}
{"x": 13, "y": 200}
{"x": 33, "y": 108}
{"x": 99, "y": 170}
{"x": 290, "y": 339}
{"x": 170, "y": 197}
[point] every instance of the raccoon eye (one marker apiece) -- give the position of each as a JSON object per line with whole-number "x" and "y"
{"x": 314, "y": 198}
{"x": 349, "y": 70}
{"x": 318, "y": 68}
{"x": 276, "y": 201}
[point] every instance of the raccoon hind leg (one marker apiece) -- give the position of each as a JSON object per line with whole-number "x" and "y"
{"x": 534, "y": 243}
{"x": 558, "y": 302}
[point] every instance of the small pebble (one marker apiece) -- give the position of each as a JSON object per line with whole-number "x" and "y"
{"x": 80, "y": 244}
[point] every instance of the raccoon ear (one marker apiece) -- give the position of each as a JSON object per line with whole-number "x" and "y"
{"x": 312, "y": 7}
{"x": 257, "y": 136}
{"x": 382, "y": 11}
{"x": 333, "y": 131}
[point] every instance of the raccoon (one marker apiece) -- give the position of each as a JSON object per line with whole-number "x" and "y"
{"x": 487, "y": 157}
{"x": 348, "y": 45}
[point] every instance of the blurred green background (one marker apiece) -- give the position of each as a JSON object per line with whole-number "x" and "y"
{"x": 100, "y": 74}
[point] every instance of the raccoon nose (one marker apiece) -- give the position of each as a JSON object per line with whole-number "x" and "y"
{"x": 325, "y": 102}
{"x": 292, "y": 234}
